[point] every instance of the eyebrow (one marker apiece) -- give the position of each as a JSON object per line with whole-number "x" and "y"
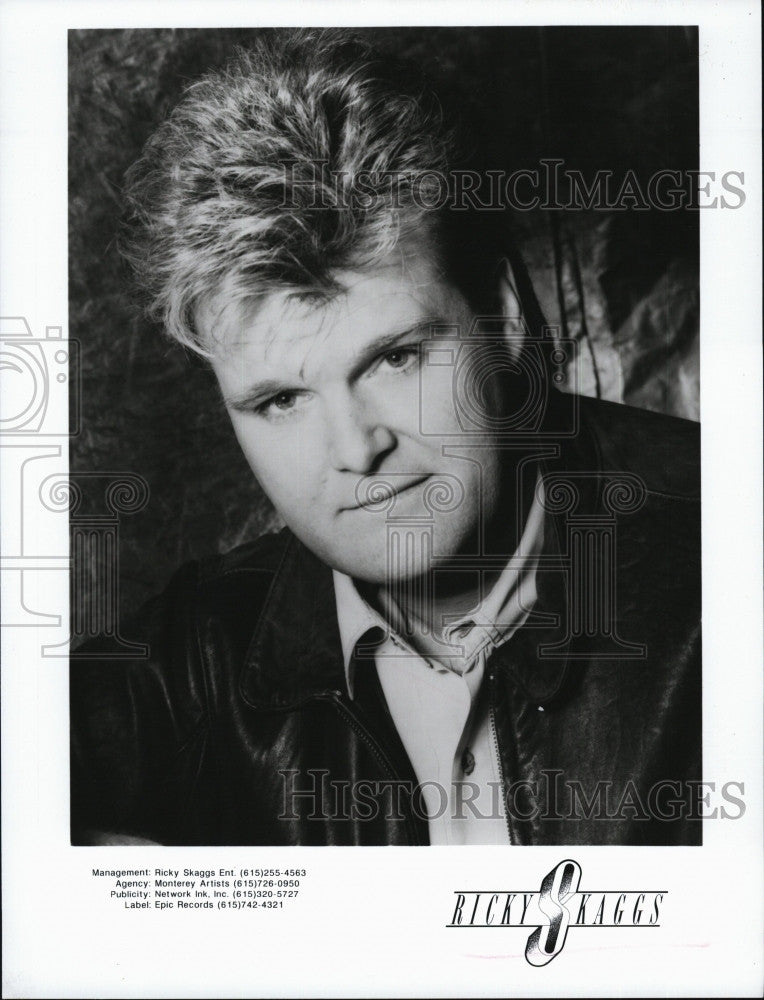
{"x": 259, "y": 392}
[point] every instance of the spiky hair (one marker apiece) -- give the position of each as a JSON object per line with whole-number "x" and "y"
{"x": 306, "y": 155}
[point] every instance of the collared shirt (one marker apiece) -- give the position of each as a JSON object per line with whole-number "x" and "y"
{"x": 436, "y": 696}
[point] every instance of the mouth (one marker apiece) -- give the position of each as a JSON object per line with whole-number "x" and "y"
{"x": 378, "y": 491}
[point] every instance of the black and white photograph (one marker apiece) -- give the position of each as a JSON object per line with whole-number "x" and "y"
{"x": 462, "y": 367}
{"x": 379, "y": 466}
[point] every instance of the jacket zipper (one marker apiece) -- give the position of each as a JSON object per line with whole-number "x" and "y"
{"x": 495, "y": 737}
{"x": 380, "y": 756}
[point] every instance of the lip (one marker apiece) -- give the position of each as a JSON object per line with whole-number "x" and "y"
{"x": 388, "y": 495}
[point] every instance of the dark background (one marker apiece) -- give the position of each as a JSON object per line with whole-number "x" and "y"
{"x": 624, "y": 284}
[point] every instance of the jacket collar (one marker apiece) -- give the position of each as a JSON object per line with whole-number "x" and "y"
{"x": 539, "y": 657}
{"x": 295, "y": 654}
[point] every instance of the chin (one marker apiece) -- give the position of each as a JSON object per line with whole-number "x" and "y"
{"x": 399, "y": 553}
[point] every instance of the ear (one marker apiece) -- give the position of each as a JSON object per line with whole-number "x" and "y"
{"x": 511, "y": 309}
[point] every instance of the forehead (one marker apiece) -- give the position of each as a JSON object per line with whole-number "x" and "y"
{"x": 283, "y": 328}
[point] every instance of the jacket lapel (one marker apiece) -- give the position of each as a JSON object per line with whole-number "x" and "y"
{"x": 538, "y": 655}
{"x": 295, "y": 653}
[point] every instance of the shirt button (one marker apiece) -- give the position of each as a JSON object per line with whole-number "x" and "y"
{"x": 468, "y": 761}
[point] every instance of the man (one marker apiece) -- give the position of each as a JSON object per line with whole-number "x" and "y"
{"x": 481, "y": 623}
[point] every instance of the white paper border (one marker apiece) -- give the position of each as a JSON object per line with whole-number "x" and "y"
{"x": 371, "y": 922}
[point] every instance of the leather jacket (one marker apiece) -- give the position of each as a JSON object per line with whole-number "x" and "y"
{"x": 237, "y": 727}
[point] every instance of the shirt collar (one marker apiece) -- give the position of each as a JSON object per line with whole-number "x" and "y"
{"x": 504, "y": 609}
{"x": 356, "y": 619}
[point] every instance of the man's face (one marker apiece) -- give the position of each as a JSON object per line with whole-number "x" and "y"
{"x": 335, "y": 409}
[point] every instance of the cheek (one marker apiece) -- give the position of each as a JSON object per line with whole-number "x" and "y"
{"x": 284, "y": 466}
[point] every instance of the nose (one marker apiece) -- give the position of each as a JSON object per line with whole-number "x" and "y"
{"x": 358, "y": 439}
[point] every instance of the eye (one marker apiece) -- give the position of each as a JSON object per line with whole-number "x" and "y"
{"x": 284, "y": 401}
{"x": 401, "y": 358}
{"x": 281, "y": 405}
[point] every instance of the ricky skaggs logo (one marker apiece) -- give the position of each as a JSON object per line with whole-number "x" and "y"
{"x": 555, "y": 909}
